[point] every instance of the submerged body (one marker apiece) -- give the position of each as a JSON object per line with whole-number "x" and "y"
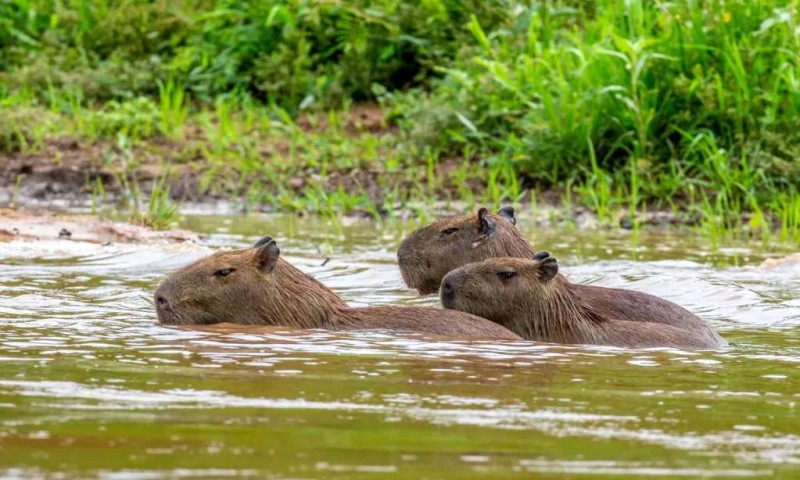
{"x": 433, "y": 321}
{"x": 528, "y": 297}
{"x": 255, "y": 286}
{"x": 431, "y": 252}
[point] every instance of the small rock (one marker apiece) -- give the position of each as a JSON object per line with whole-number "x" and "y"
{"x": 792, "y": 260}
{"x": 64, "y": 233}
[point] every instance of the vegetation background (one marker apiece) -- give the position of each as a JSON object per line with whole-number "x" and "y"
{"x": 688, "y": 106}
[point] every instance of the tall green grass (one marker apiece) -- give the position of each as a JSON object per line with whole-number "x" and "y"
{"x": 626, "y": 106}
{"x": 294, "y": 53}
{"x": 637, "y": 102}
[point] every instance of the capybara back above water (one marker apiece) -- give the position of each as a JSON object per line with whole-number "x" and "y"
{"x": 528, "y": 297}
{"x": 255, "y": 286}
{"x": 429, "y": 253}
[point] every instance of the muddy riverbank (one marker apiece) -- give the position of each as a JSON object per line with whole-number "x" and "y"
{"x": 68, "y": 173}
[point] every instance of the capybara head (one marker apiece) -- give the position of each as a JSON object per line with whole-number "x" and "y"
{"x": 528, "y": 297}
{"x": 253, "y": 286}
{"x": 430, "y": 252}
{"x": 506, "y": 290}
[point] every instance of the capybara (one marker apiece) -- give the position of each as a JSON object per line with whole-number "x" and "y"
{"x": 428, "y": 254}
{"x": 528, "y": 297}
{"x": 255, "y": 286}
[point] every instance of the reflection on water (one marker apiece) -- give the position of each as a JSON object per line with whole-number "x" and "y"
{"x": 90, "y": 386}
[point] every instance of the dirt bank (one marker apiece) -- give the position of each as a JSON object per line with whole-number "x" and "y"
{"x": 67, "y": 171}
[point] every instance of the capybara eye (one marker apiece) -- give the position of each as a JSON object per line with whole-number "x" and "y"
{"x": 449, "y": 231}
{"x": 506, "y": 275}
{"x": 224, "y": 272}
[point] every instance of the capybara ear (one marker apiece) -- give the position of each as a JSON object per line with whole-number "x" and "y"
{"x": 548, "y": 268}
{"x": 541, "y": 255}
{"x": 485, "y": 224}
{"x": 263, "y": 241}
{"x": 507, "y": 212}
{"x": 267, "y": 256}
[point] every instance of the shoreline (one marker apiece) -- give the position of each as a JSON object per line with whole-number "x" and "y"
{"x": 77, "y": 179}
{"x": 355, "y": 163}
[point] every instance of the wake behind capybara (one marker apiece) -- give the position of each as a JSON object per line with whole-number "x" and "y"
{"x": 528, "y": 297}
{"x": 429, "y": 253}
{"x": 254, "y": 286}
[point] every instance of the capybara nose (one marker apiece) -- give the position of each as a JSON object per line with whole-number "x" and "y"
{"x": 447, "y": 289}
{"x": 161, "y": 302}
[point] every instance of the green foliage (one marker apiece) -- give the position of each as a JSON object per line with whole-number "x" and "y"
{"x": 24, "y": 128}
{"x": 629, "y": 76}
{"x": 635, "y": 101}
{"x": 625, "y": 104}
{"x": 138, "y": 118}
{"x": 161, "y": 210}
{"x": 290, "y": 52}
{"x": 174, "y": 108}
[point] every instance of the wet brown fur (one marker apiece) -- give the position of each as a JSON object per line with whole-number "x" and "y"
{"x": 426, "y": 256}
{"x": 430, "y": 252}
{"x": 529, "y": 298}
{"x": 263, "y": 289}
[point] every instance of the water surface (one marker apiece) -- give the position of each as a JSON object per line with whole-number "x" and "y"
{"x": 90, "y": 387}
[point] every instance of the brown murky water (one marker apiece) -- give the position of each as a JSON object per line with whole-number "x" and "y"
{"x": 90, "y": 387}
